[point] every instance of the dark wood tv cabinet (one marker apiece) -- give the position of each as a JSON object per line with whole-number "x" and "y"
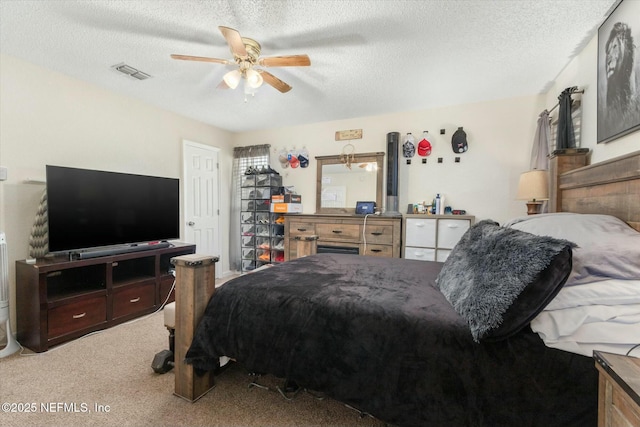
{"x": 58, "y": 299}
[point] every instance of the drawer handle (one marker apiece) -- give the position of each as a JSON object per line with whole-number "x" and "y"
{"x": 420, "y": 224}
{"x": 134, "y": 300}
{"x": 376, "y": 250}
{"x": 452, "y": 225}
{"x": 337, "y": 231}
{"x": 79, "y": 316}
{"x": 377, "y": 233}
{"x": 419, "y": 254}
{"x": 302, "y": 229}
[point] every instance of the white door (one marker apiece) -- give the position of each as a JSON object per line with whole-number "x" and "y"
{"x": 201, "y": 198}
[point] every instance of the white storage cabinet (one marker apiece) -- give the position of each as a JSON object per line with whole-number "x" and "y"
{"x": 431, "y": 237}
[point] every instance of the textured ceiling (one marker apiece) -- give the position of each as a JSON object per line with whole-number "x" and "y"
{"x": 368, "y": 57}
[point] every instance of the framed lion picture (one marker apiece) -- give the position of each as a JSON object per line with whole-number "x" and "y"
{"x": 619, "y": 72}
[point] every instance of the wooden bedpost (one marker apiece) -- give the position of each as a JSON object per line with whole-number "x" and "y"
{"x": 561, "y": 161}
{"x": 195, "y": 283}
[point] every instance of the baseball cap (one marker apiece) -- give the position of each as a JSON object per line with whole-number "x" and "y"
{"x": 293, "y": 159}
{"x": 408, "y": 148}
{"x": 283, "y": 159}
{"x": 424, "y": 146}
{"x": 459, "y": 141}
{"x": 303, "y": 157}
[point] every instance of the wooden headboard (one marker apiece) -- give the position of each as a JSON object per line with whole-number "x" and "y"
{"x": 611, "y": 187}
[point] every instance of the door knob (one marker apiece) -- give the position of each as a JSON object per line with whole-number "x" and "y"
{"x": 191, "y": 223}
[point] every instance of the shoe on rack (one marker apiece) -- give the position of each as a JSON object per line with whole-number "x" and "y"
{"x": 265, "y": 257}
{"x": 280, "y": 220}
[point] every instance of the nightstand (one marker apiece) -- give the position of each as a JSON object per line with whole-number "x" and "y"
{"x": 618, "y": 390}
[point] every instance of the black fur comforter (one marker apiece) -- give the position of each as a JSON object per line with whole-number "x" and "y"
{"x": 377, "y": 334}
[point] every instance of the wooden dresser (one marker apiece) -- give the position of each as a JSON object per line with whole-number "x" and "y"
{"x": 60, "y": 299}
{"x": 375, "y": 235}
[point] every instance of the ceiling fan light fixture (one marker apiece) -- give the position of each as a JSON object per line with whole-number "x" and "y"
{"x": 246, "y": 54}
{"x": 232, "y": 78}
{"x": 254, "y": 78}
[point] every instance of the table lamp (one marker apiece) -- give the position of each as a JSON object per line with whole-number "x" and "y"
{"x": 534, "y": 187}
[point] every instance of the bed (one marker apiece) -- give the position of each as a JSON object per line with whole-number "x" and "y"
{"x": 419, "y": 343}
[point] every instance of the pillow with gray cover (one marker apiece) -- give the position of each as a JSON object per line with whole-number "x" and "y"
{"x": 498, "y": 279}
{"x": 607, "y": 248}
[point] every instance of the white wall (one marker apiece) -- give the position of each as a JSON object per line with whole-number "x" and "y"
{"x": 500, "y": 135}
{"x": 49, "y": 118}
{"x": 582, "y": 72}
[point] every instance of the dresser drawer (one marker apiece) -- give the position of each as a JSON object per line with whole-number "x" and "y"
{"x": 76, "y": 316}
{"x": 298, "y": 228}
{"x": 339, "y": 232}
{"x": 421, "y": 254}
{"x": 450, "y": 231}
{"x": 133, "y": 299}
{"x": 420, "y": 232}
{"x": 377, "y": 250}
{"x": 382, "y": 234}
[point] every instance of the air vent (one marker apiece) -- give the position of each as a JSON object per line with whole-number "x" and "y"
{"x": 130, "y": 71}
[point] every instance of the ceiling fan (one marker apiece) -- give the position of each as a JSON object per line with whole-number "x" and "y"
{"x": 246, "y": 53}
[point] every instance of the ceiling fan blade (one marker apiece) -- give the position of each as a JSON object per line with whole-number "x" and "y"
{"x": 274, "y": 81}
{"x": 285, "y": 61}
{"x": 200, "y": 58}
{"x": 235, "y": 41}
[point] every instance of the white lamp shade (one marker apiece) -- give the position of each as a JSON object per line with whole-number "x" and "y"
{"x": 254, "y": 78}
{"x": 232, "y": 78}
{"x": 534, "y": 185}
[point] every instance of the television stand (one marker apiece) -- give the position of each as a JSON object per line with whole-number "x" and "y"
{"x": 118, "y": 250}
{"x": 59, "y": 299}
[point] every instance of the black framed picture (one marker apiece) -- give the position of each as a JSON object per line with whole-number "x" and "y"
{"x": 619, "y": 72}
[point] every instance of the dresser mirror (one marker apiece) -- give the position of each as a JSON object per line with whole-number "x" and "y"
{"x": 343, "y": 180}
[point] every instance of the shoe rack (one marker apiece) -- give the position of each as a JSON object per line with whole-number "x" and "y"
{"x": 262, "y": 231}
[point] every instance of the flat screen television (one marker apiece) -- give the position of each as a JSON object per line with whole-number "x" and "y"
{"x": 92, "y": 209}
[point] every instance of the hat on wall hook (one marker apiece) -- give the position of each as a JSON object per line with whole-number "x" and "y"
{"x": 303, "y": 157}
{"x": 283, "y": 158}
{"x": 292, "y": 156}
{"x": 459, "y": 141}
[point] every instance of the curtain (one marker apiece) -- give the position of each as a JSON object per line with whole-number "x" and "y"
{"x": 540, "y": 151}
{"x": 243, "y": 157}
{"x": 541, "y": 142}
{"x": 566, "y": 136}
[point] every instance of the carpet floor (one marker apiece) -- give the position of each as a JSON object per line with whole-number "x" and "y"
{"x": 105, "y": 379}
